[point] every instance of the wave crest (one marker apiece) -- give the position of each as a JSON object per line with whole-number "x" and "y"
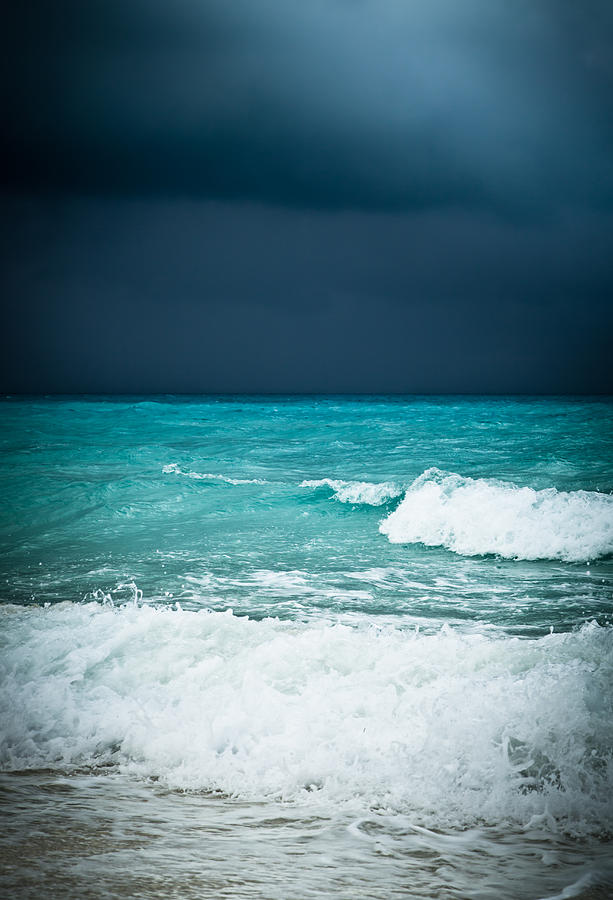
{"x": 476, "y": 516}
{"x": 364, "y": 492}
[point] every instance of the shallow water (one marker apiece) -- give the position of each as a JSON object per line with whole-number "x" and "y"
{"x": 106, "y": 836}
{"x": 273, "y": 647}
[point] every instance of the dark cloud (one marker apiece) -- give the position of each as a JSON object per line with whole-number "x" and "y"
{"x": 483, "y": 104}
{"x": 332, "y": 195}
{"x": 173, "y": 295}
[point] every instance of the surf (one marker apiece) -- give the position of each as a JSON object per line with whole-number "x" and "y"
{"x": 456, "y": 726}
{"x": 480, "y": 516}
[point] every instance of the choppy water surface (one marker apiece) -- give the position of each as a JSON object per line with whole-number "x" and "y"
{"x": 297, "y": 647}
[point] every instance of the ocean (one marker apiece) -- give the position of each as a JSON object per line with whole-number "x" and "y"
{"x": 299, "y": 647}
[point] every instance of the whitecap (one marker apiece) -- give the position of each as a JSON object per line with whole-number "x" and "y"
{"x": 174, "y": 468}
{"x": 357, "y": 492}
{"x": 475, "y": 516}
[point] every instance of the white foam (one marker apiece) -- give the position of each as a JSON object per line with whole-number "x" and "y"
{"x": 452, "y": 728}
{"x": 479, "y": 516}
{"x": 175, "y": 469}
{"x": 357, "y": 491}
{"x": 577, "y": 889}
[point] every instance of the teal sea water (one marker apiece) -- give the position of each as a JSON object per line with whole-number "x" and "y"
{"x": 314, "y": 646}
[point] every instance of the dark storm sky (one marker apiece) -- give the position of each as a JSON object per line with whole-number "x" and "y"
{"x": 307, "y": 195}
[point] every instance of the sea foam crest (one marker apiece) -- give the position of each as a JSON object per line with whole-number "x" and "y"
{"x": 175, "y": 469}
{"x": 474, "y": 516}
{"x": 365, "y": 492}
{"x": 453, "y": 728}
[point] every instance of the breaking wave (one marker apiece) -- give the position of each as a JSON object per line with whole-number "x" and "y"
{"x": 481, "y": 516}
{"x": 453, "y": 727}
{"x": 358, "y": 491}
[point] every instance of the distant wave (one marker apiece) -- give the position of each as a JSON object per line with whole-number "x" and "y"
{"x": 173, "y": 468}
{"x": 480, "y": 516}
{"x": 455, "y": 728}
{"x": 358, "y": 491}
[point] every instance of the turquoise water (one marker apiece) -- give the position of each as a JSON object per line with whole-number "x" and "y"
{"x": 205, "y": 501}
{"x": 385, "y": 621}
